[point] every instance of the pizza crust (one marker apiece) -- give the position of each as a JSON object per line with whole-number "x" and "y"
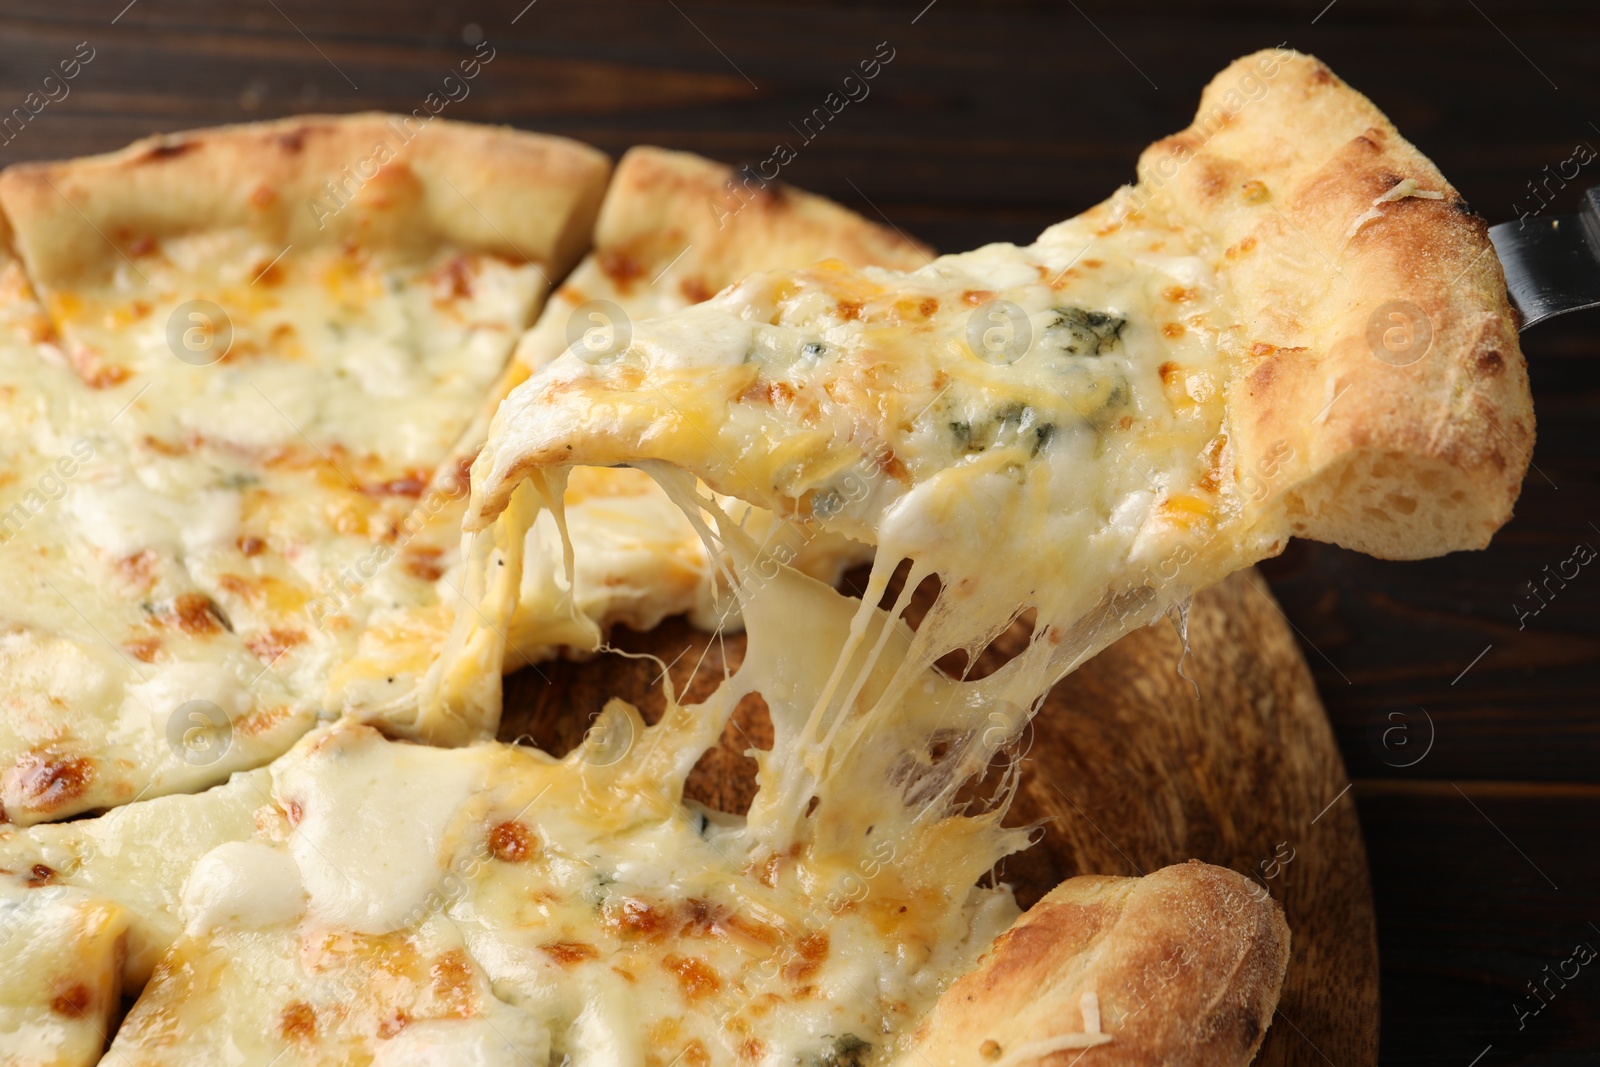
{"x": 1181, "y": 967}
{"x": 662, "y": 203}
{"x": 1336, "y": 264}
{"x": 522, "y": 196}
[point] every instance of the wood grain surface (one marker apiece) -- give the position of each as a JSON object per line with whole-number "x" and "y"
{"x": 991, "y": 122}
{"x": 1143, "y": 757}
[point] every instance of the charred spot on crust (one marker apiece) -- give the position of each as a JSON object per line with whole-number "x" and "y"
{"x": 632, "y": 917}
{"x": 423, "y": 563}
{"x": 49, "y": 781}
{"x": 1216, "y": 177}
{"x": 1242, "y": 1022}
{"x": 1243, "y": 247}
{"x": 170, "y": 150}
{"x": 73, "y": 1001}
{"x": 292, "y": 142}
{"x": 195, "y": 613}
{"x": 452, "y": 975}
{"x": 511, "y": 842}
{"x": 695, "y": 977}
{"x": 810, "y": 951}
{"x": 410, "y": 484}
{"x": 622, "y": 268}
{"x": 1263, "y": 376}
{"x": 270, "y": 646}
{"x": 1489, "y": 364}
{"x": 568, "y": 953}
{"x": 298, "y": 1022}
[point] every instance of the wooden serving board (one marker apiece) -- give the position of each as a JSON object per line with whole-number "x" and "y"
{"x": 1134, "y": 767}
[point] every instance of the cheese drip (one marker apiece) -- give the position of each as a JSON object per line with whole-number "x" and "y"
{"x": 1041, "y": 428}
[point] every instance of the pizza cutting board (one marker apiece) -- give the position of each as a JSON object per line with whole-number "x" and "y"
{"x": 1133, "y": 764}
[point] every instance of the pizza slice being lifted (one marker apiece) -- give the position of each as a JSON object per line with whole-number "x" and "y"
{"x": 1291, "y": 325}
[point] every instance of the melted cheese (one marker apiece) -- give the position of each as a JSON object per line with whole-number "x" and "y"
{"x": 505, "y": 904}
{"x": 1064, "y": 472}
{"x": 642, "y": 559}
{"x": 243, "y": 884}
{"x": 58, "y": 989}
{"x": 140, "y": 855}
{"x": 377, "y": 901}
{"x": 221, "y": 533}
{"x": 1050, "y": 474}
{"x": 368, "y": 844}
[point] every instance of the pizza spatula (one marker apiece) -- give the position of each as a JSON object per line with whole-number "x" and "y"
{"x": 1552, "y": 265}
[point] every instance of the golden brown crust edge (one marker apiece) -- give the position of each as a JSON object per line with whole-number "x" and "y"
{"x": 373, "y": 179}
{"x": 1286, "y": 167}
{"x": 663, "y": 204}
{"x": 1185, "y": 965}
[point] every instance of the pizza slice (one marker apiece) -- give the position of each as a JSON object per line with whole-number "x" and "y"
{"x": 1292, "y": 325}
{"x": 139, "y": 855}
{"x": 271, "y": 336}
{"x": 663, "y": 240}
{"x": 1143, "y": 959}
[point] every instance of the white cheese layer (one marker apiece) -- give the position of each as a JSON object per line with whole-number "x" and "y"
{"x": 504, "y": 904}
{"x": 60, "y": 982}
{"x": 1042, "y": 429}
{"x": 210, "y": 469}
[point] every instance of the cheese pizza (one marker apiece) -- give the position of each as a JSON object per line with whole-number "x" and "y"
{"x": 1290, "y": 326}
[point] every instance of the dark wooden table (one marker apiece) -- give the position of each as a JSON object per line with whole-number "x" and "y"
{"x": 988, "y": 124}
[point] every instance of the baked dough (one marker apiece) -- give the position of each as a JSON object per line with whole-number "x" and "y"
{"x": 1335, "y": 234}
{"x": 517, "y": 195}
{"x": 1183, "y": 965}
